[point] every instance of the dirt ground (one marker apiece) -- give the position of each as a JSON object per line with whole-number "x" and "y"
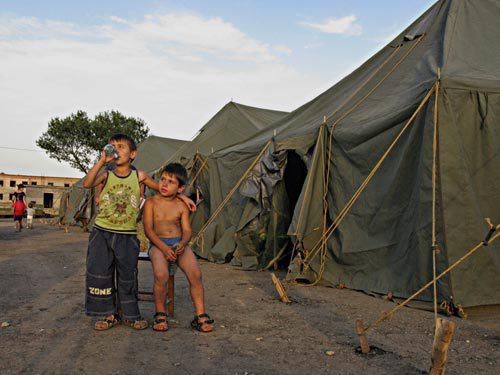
{"x": 41, "y": 299}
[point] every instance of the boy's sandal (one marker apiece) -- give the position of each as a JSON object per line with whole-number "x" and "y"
{"x": 160, "y": 322}
{"x": 136, "y": 324}
{"x": 204, "y": 326}
{"x": 105, "y": 324}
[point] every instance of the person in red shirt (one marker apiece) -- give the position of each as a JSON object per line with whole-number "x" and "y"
{"x": 18, "y": 209}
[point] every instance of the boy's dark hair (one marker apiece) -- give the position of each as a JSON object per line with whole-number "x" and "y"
{"x": 177, "y": 170}
{"x": 124, "y": 137}
{"x": 20, "y": 186}
{"x": 30, "y": 204}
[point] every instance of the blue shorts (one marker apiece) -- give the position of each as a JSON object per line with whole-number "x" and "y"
{"x": 167, "y": 241}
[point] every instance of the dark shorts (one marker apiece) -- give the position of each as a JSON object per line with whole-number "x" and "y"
{"x": 112, "y": 256}
{"x": 18, "y": 217}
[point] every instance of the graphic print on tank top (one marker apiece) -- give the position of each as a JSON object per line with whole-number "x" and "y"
{"x": 119, "y": 205}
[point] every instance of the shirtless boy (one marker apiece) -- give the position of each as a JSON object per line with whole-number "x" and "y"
{"x": 166, "y": 224}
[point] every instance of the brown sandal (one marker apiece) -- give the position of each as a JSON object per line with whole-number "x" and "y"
{"x": 204, "y": 326}
{"x": 105, "y": 324}
{"x": 136, "y": 324}
{"x": 160, "y": 322}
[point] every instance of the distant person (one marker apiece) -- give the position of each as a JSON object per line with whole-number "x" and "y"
{"x": 19, "y": 194}
{"x": 30, "y": 214}
{"x": 18, "y": 208}
{"x": 167, "y": 225}
{"x": 113, "y": 246}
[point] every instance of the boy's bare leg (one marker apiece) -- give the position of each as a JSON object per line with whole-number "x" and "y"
{"x": 189, "y": 265}
{"x": 160, "y": 274}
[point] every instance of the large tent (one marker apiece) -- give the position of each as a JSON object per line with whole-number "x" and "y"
{"x": 396, "y": 164}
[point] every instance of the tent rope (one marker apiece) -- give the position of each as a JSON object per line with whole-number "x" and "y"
{"x": 481, "y": 244}
{"x": 356, "y": 195}
{"x": 231, "y": 193}
{"x": 364, "y": 83}
{"x": 377, "y": 85}
{"x": 203, "y": 163}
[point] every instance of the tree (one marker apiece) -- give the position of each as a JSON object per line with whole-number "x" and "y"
{"x": 78, "y": 140}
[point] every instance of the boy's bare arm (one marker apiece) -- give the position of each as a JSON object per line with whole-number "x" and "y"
{"x": 188, "y": 202}
{"x": 92, "y": 178}
{"x": 186, "y": 230}
{"x": 145, "y": 179}
{"x": 148, "y": 221}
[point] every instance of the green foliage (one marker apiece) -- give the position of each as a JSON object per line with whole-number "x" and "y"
{"x": 78, "y": 140}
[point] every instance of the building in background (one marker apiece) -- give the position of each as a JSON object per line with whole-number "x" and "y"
{"x": 43, "y": 191}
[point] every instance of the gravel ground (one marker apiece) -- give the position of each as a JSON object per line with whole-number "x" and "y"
{"x": 45, "y": 330}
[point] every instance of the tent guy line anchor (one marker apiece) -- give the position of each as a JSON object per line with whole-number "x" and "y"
{"x": 361, "y": 330}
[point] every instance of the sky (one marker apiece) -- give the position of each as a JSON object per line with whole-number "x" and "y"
{"x": 174, "y": 64}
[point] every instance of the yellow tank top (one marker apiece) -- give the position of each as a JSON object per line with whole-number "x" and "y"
{"x": 119, "y": 204}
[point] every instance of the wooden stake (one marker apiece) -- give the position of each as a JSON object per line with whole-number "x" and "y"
{"x": 279, "y": 287}
{"x": 442, "y": 338}
{"x": 360, "y": 330}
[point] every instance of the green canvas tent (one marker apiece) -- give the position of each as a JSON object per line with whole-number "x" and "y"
{"x": 232, "y": 124}
{"x": 154, "y": 150}
{"x": 399, "y": 158}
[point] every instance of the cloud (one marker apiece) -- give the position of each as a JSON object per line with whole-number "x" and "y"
{"x": 172, "y": 70}
{"x": 118, "y": 19}
{"x": 345, "y": 25}
{"x": 283, "y": 49}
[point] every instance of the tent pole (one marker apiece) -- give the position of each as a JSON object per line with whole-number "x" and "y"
{"x": 435, "y": 247}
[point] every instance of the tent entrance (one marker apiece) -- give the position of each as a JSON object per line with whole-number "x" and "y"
{"x": 293, "y": 181}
